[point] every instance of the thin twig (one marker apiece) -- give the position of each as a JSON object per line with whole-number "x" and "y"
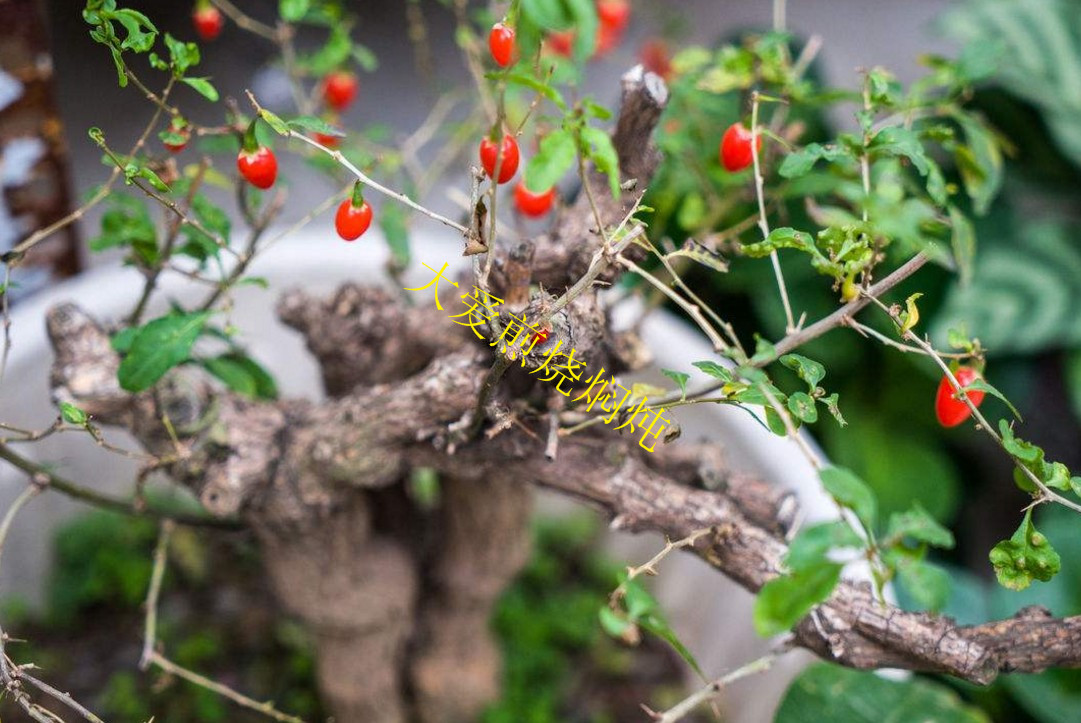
{"x": 61, "y": 696}
{"x": 692, "y": 309}
{"x": 763, "y": 221}
{"x": 865, "y": 330}
{"x": 688, "y": 704}
{"x": 551, "y": 449}
{"x": 167, "y": 248}
{"x": 239, "y": 698}
{"x": 97, "y": 499}
{"x": 150, "y": 656}
{"x": 5, "y": 321}
{"x": 1046, "y": 492}
{"x": 367, "y": 181}
{"x": 150, "y": 628}
{"x": 32, "y": 491}
{"x": 248, "y": 254}
{"x": 245, "y": 21}
{"x": 650, "y": 567}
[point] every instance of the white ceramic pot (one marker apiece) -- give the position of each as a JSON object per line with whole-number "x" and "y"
{"x": 709, "y": 613}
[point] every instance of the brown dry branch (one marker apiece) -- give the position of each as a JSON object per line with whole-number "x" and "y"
{"x": 396, "y": 595}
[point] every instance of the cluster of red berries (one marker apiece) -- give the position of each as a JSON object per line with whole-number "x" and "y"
{"x": 613, "y": 17}
{"x": 507, "y": 156}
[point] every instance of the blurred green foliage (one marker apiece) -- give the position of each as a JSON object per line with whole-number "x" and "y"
{"x": 829, "y": 692}
{"x": 1020, "y": 297}
{"x": 546, "y": 623}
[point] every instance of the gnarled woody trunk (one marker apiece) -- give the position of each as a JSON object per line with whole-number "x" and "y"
{"x": 398, "y": 598}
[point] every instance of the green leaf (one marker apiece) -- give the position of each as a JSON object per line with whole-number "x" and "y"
{"x": 637, "y": 599}
{"x": 310, "y": 124}
{"x": 979, "y": 162}
{"x": 529, "y": 81}
{"x": 293, "y": 10}
{"x": 714, "y": 370}
{"x": 884, "y": 88}
{"x": 781, "y": 238}
{"x": 151, "y": 177}
{"x": 918, "y": 524}
{"x": 679, "y": 378}
{"x": 1025, "y": 557}
{"x": 393, "y": 222}
{"x": 808, "y": 370}
{"x": 584, "y": 16}
{"x": 159, "y": 346}
{"x": 121, "y": 340}
{"x": 73, "y": 415}
{"x": 204, "y": 88}
{"x": 800, "y": 163}
{"x": 775, "y": 421}
{"x": 597, "y": 146}
{"x": 332, "y": 55}
{"x": 547, "y": 14}
{"x": 181, "y": 55}
{"x": 834, "y": 409}
{"x": 803, "y": 407}
{"x": 118, "y": 62}
{"x": 699, "y": 253}
{"x": 659, "y": 627}
{"x": 764, "y": 350}
{"x": 852, "y": 492}
{"x": 274, "y": 121}
{"x": 365, "y": 58}
{"x": 784, "y": 600}
{"x": 243, "y": 375}
{"x": 140, "y": 31}
{"x": 928, "y": 584}
{"x": 981, "y": 385}
{"x": 612, "y": 623}
{"x": 1031, "y": 456}
{"x": 902, "y": 143}
{"x": 962, "y": 242}
{"x": 596, "y": 110}
{"x": 211, "y": 216}
{"x": 809, "y": 547}
{"x": 555, "y": 156}
{"x": 127, "y": 224}
{"x": 827, "y": 692}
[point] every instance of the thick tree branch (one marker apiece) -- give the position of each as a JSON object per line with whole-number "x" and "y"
{"x": 563, "y": 256}
{"x": 851, "y": 628}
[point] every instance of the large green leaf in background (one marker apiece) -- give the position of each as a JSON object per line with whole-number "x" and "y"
{"x": 1039, "y": 52}
{"x": 826, "y": 692}
{"x": 1024, "y": 293}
